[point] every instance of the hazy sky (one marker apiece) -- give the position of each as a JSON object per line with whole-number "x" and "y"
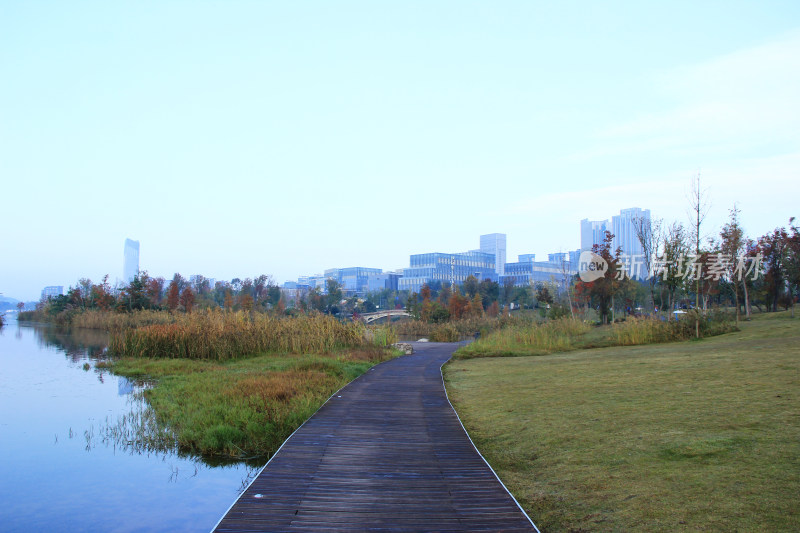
{"x": 239, "y": 138}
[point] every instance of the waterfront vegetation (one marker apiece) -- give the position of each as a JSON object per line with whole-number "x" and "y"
{"x": 698, "y": 435}
{"x": 244, "y": 408}
{"x": 235, "y": 384}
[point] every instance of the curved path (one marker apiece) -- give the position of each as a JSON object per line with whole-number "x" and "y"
{"x": 385, "y": 453}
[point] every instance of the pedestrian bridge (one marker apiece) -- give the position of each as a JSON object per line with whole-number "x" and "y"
{"x": 377, "y": 315}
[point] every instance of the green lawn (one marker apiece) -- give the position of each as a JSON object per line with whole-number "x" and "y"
{"x": 696, "y": 435}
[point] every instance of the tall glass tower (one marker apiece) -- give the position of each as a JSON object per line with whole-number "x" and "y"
{"x": 495, "y": 244}
{"x": 130, "y": 265}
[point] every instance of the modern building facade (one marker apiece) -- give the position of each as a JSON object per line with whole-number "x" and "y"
{"x": 385, "y": 280}
{"x": 623, "y": 227}
{"x": 444, "y": 267}
{"x": 495, "y": 244}
{"x": 592, "y": 233}
{"x": 130, "y": 265}
{"x": 526, "y": 273}
{"x": 352, "y": 279}
{"x": 52, "y": 291}
{"x": 625, "y": 235}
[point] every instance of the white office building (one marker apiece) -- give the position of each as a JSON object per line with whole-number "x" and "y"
{"x": 495, "y": 244}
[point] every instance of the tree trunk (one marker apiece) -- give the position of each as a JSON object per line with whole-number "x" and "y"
{"x": 746, "y": 300}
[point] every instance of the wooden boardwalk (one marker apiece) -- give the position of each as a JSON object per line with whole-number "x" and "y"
{"x": 385, "y": 453}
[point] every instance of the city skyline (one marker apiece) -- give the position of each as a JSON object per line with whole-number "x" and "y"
{"x": 237, "y": 139}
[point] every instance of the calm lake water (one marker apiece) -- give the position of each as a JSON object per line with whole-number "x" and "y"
{"x": 72, "y": 458}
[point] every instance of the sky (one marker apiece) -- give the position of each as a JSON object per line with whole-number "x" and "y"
{"x": 234, "y": 138}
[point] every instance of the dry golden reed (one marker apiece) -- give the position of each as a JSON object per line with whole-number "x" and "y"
{"x": 219, "y": 335}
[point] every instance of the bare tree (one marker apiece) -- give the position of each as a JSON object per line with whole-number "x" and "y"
{"x": 699, "y": 209}
{"x": 650, "y": 236}
{"x": 566, "y": 280}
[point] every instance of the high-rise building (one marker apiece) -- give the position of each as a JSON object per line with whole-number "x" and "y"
{"x": 495, "y": 244}
{"x": 626, "y": 238}
{"x": 130, "y": 265}
{"x": 592, "y": 232}
{"x": 624, "y": 230}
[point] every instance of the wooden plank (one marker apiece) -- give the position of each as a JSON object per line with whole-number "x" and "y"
{"x": 386, "y": 453}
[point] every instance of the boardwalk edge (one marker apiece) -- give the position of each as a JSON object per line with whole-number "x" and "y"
{"x": 479, "y": 452}
{"x": 228, "y": 510}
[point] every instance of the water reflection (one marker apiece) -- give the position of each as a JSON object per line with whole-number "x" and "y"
{"x": 137, "y": 431}
{"x": 75, "y": 436}
{"x": 77, "y": 343}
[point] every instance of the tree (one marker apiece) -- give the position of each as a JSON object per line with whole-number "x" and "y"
{"x": 672, "y": 262}
{"x": 649, "y": 235}
{"x": 228, "y": 300}
{"x": 508, "y": 290}
{"x": 476, "y": 305}
{"x": 601, "y": 291}
{"x": 334, "y": 296}
{"x": 543, "y": 294}
{"x": 792, "y": 266}
{"x": 774, "y": 248}
{"x": 101, "y": 295}
{"x": 153, "y": 289}
{"x": 134, "y": 295}
{"x": 699, "y": 207}
{"x": 732, "y": 245}
{"x": 187, "y": 299}
{"x": 490, "y": 291}
{"x": 458, "y": 305}
{"x": 471, "y": 286}
{"x": 173, "y": 295}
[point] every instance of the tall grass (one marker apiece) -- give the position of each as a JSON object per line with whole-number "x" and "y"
{"x": 457, "y": 329}
{"x": 529, "y": 339}
{"x": 112, "y": 321}
{"x": 217, "y": 335}
{"x": 648, "y": 330}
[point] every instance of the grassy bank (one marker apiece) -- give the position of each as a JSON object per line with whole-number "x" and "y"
{"x": 237, "y": 385}
{"x": 245, "y": 407}
{"x": 696, "y": 435}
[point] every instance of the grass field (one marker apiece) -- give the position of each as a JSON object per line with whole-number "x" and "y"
{"x": 695, "y": 435}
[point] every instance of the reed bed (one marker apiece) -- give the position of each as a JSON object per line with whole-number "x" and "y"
{"x": 217, "y": 335}
{"x": 113, "y": 321}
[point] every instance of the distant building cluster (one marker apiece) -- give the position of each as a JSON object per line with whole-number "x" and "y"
{"x": 486, "y": 262}
{"x": 623, "y": 227}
